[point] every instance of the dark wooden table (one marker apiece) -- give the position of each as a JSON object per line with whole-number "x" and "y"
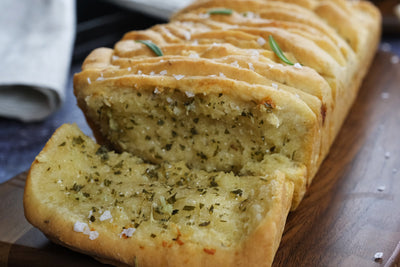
{"x": 352, "y": 209}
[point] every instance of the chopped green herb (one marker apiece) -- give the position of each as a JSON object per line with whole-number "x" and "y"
{"x": 213, "y": 183}
{"x": 204, "y": 223}
{"x": 202, "y": 155}
{"x": 175, "y": 212}
{"x": 238, "y": 192}
{"x": 193, "y": 131}
{"x": 277, "y": 50}
{"x": 76, "y": 187}
{"x": 62, "y": 144}
{"x": 77, "y": 140}
{"x": 107, "y": 182}
{"x": 152, "y": 46}
{"x": 103, "y": 152}
{"x": 172, "y": 199}
{"x": 211, "y": 209}
{"x": 168, "y": 147}
{"x": 189, "y": 208}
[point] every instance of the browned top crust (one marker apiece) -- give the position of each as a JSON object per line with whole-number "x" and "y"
{"x": 211, "y": 50}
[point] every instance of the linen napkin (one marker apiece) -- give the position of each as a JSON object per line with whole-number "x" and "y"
{"x": 36, "y": 42}
{"x": 158, "y": 8}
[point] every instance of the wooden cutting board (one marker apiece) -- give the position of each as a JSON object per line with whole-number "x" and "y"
{"x": 351, "y": 212}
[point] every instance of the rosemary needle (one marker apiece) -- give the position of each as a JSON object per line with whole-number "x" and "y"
{"x": 277, "y": 50}
{"x": 152, "y": 46}
{"x": 221, "y": 11}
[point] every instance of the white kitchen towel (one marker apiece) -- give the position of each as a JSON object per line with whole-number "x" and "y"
{"x": 36, "y": 42}
{"x": 158, "y": 8}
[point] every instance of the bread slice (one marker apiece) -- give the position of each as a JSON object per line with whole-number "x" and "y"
{"x": 122, "y": 210}
{"x": 216, "y": 139}
{"x": 211, "y": 123}
{"x": 219, "y": 98}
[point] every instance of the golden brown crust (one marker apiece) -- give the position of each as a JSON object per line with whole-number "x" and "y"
{"x": 57, "y": 222}
{"x": 333, "y": 40}
{"x": 294, "y": 25}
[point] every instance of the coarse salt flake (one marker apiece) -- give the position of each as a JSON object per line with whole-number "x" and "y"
{"x": 395, "y": 59}
{"x": 251, "y": 66}
{"x": 93, "y": 235}
{"x": 271, "y": 66}
{"x": 274, "y": 85}
{"x": 204, "y": 15}
{"x": 261, "y": 41}
{"x": 222, "y": 75}
{"x": 89, "y": 81}
{"x": 381, "y": 188}
{"x": 80, "y": 227}
{"x": 378, "y": 256}
{"x": 152, "y": 73}
{"x": 156, "y": 91}
{"x": 178, "y": 77}
{"x": 385, "y": 95}
{"x": 187, "y": 35}
{"x": 189, "y": 94}
{"x": 164, "y": 72}
{"x": 115, "y": 57}
{"x": 129, "y": 68}
{"x": 298, "y": 66}
{"x": 127, "y": 232}
{"x": 100, "y": 79}
{"x": 235, "y": 64}
{"x": 254, "y": 52}
{"x": 193, "y": 55}
{"x": 105, "y": 216}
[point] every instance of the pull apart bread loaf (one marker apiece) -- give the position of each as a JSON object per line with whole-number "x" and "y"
{"x": 207, "y": 138}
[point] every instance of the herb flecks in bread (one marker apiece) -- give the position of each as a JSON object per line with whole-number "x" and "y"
{"x": 217, "y": 136}
{"x": 103, "y": 195}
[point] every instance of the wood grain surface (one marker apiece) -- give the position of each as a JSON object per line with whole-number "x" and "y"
{"x": 351, "y": 211}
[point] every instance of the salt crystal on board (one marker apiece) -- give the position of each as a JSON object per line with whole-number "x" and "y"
{"x": 381, "y": 188}
{"x": 385, "y": 95}
{"x": 394, "y": 59}
{"x": 378, "y": 256}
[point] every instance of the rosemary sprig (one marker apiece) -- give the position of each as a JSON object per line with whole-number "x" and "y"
{"x": 152, "y": 46}
{"x": 277, "y": 50}
{"x": 220, "y": 11}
